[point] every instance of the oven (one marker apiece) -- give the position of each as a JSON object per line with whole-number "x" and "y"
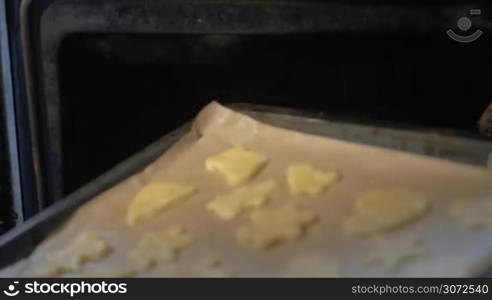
{"x": 92, "y": 83}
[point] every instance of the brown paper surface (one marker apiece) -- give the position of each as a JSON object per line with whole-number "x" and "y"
{"x": 363, "y": 167}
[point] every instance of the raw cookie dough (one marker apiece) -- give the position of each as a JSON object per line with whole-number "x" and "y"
{"x": 269, "y": 227}
{"x": 393, "y": 253}
{"x": 312, "y": 265}
{"x": 229, "y": 206}
{"x": 381, "y": 210}
{"x": 87, "y": 247}
{"x": 160, "y": 247}
{"x": 473, "y": 214}
{"x": 304, "y": 180}
{"x": 155, "y": 198}
{"x": 237, "y": 164}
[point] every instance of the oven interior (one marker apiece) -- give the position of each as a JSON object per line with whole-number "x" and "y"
{"x": 120, "y": 92}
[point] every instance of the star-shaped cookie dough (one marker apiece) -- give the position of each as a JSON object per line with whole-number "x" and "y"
{"x": 160, "y": 247}
{"x": 269, "y": 227}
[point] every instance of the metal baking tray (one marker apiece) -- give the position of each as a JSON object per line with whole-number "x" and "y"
{"x": 22, "y": 240}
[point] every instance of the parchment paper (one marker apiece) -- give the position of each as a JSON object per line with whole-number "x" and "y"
{"x": 363, "y": 167}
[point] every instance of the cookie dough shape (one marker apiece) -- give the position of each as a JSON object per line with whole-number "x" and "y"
{"x": 306, "y": 181}
{"x": 313, "y": 266}
{"x": 269, "y": 227}
{"x": 382, "y": 210}
{"x": 160, "y": 247}
{"x": 229, "y": 206}
{"x": 237, "y": 164}
{"x": 87, "y": 247}
{"x": 473, "y": 214}
{"x": 155, "y": 198}
{"x": 393, "y": 253}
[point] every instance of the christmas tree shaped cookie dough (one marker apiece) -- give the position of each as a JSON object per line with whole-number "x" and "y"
{"x": 160, "y": 247}
{"x": 306, "y": 181}
{"x": 229, "y": 206}
{"x": 269, "y": 227}
{"x": 155, "y": 198}
{"x": 238, "y": 165}
{"x": 382, "y": 210}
